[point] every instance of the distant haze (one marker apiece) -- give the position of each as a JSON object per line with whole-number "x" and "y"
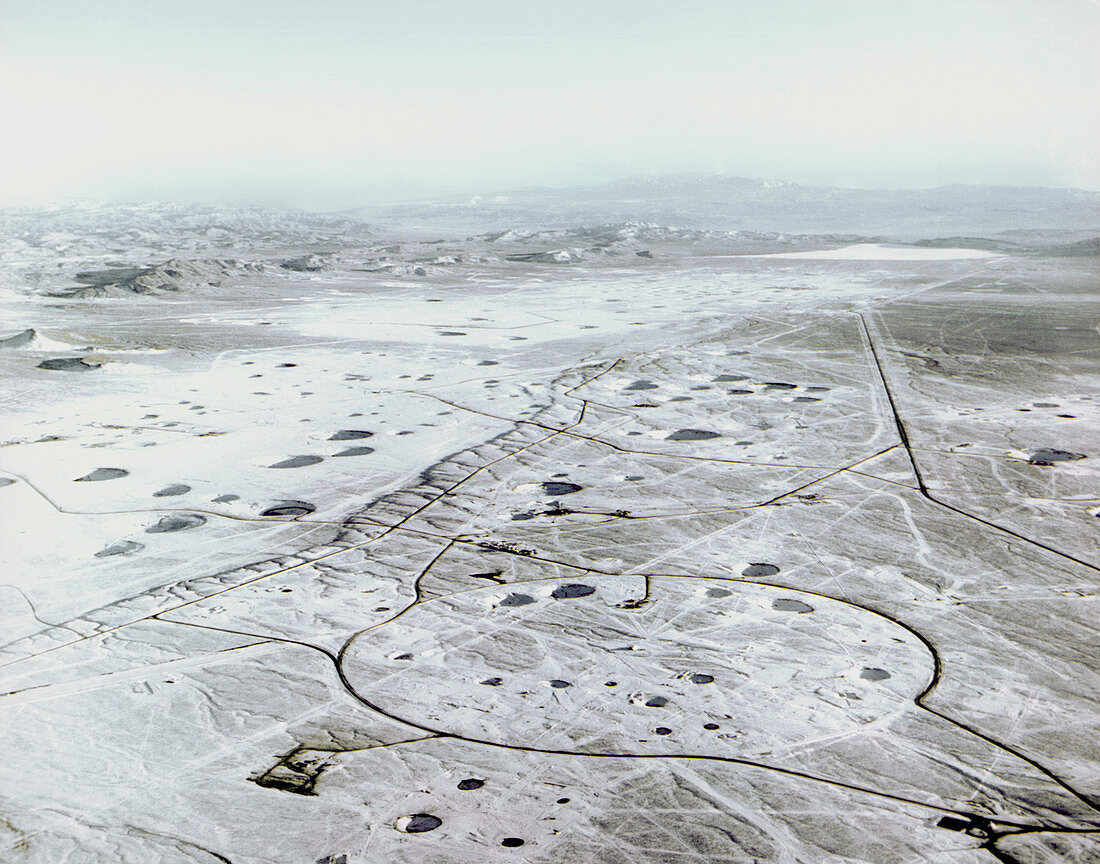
{"x": 338, "y": 103}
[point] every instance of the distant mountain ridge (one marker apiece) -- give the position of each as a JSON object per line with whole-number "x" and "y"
{"x": 712, "y": 201}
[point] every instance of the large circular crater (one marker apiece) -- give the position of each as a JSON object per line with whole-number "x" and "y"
{"x": 712, "y": 666}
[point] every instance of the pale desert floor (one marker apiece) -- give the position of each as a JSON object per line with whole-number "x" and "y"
{"x": 692, "y": 558}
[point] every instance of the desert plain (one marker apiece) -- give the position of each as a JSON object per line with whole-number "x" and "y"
{"x": 327, "y": 543}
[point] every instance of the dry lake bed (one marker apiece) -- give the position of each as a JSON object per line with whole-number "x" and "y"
{"x": 325, "y": 546}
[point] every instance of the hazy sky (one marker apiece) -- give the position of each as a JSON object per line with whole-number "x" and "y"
{"x": 330, "y": 103}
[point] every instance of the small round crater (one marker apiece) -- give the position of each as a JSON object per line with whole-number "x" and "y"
{"x": 122, "y": 547}
{"x": 176, "y": 522}
{"x": 418, "y": 823}
{"x": 470, "y": 783}
{"x": 297, "y": 462}
{"x": 517, "y": 600}
{"x": 355, "y": 451}
{"x": 1049, "y": 455}
{"x": 173, "y": 490}
{"x": 350, "y": 435}
{"x": 572, "y": 590}
{"x": 758, "y": 570}
{"x": 555, "y": 487}
{"x": 789, "y": 604}
{"x": 289, "y": 508}
{"x": 102, "y": 474}
{"x": 70, "y": 364}
{"x": 512, "y": 842}
{"x": 692, "y": 435}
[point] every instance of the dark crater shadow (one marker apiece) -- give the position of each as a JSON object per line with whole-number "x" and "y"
{"x": 173, "y": 490}
{"x": 692, "y": 435}
{"x": 176, "y": 522}
{"x": 556, "y": 487}
{"x": 1048, "y": 456}
{"x": 355, "y": 451}
{"x": 297, "y": 462}
{"x": 102, "y": 474}
{"x": 759, "y": 571}
{"x": 350, "y": 435}
{"x": 69, "y": 364}
{"x": 289, "y": 508}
